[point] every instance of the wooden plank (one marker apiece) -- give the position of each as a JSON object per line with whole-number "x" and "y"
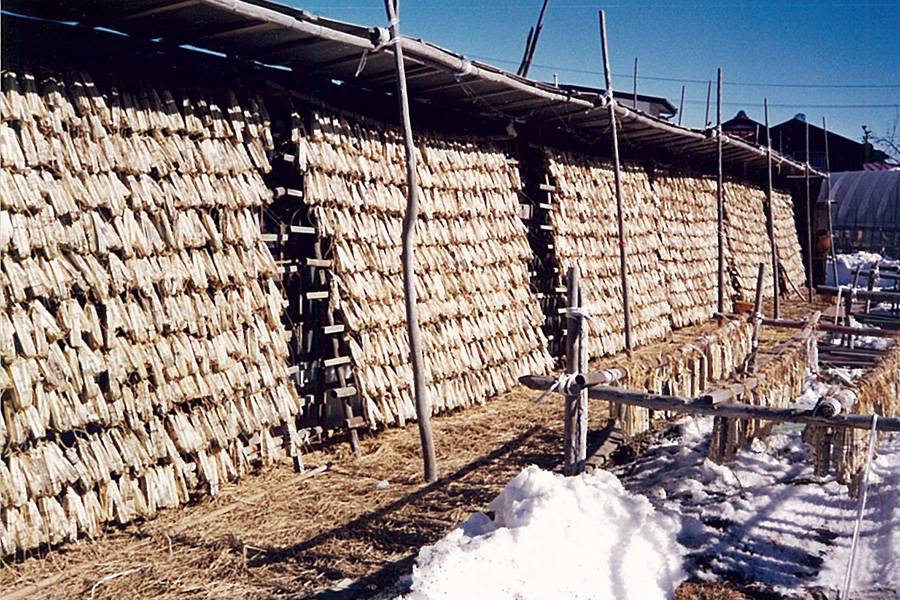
{"x": 333, "y": 329}
{"x": 342, "y": 392}
{"x": 303, "y": 229}
{"x": 319, "y": 263}
{"x": 316, "y": 295}
{"x": 335, "y": 362}
{"x": 281, "y": 192}
{"x": 546, "y": 187}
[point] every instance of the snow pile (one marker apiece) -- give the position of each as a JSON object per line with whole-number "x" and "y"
{"x": 556, "y": 537}
{"x": 848, "y": 263}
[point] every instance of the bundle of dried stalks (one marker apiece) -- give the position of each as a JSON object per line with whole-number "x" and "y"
{"x": 747, "y": 240}
{"x": 480, "y": 321}
{"x": 586, "y": 236}
{"x": 688, "y": 251}
{"x": 142, "y": 335}
{"x": 789, "y": 253}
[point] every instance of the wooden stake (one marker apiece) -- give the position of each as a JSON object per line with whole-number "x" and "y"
{"x": 423, "y": 402}
{"x": 720, "y": 200}
{"x": 576, "y": 364}
{"x": 611, "y": 100}
{"x": 809, "y": 238}
{"x": 770, "y": 221}
{"x": 681, "y": 106}
{"x": 828, "y": 205}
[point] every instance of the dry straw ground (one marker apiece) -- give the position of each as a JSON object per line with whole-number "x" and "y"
{"x": 287, "y": 539}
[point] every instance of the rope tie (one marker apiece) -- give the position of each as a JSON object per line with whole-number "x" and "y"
{"x": 565, "y": 383}
{"x": 873, "y": 435}
{"x": 382, "y": 45}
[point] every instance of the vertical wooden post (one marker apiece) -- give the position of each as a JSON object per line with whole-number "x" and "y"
{"x": 611, "y": 102}
{"x": 720, "y": 200}
{"x": 708, "y": 95}
{"x": 635, "y": 81}
{"x": 681, "y": 106}
{"x": 576, "y": 362}
{"x": 809, "y": 238}
{"x": 770, "y": 222}
{"x": 757, "y": 314}
{"x": 423, "y": 402}
{"x": 828, "y": 205}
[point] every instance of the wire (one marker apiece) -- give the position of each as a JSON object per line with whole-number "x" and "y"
{"x": 775, "y": 105}
{"x": 678, "y": 80}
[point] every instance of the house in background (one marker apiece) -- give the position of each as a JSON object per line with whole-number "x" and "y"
{"x": 745, "y": 128}
{"x": 789, "y": 139}
{"x": 844, "y": 154}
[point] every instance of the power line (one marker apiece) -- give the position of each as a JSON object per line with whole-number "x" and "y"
{"x": 759, "y": 104}
{"x": 703, "y": 81}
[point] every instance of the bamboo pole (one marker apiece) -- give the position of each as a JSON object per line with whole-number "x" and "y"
{"x": 706, "y": 405}
{"x": 828, "y": 204}
{"x": 770, "y": 221}
{"x": 423, "y": 402}
{"x": 681, "y": 106}
{"x": 576, "y": 363}
{"x": 720, "y": 201}
{"x": 620, "y": 216}
{"x": 809, "y": 239}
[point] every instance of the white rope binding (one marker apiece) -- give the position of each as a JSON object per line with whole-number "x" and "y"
{"x": 873, "y": 435}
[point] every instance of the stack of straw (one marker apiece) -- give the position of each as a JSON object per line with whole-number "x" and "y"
{"x": 481, "y": 324}
{"x": 142, "y": 341}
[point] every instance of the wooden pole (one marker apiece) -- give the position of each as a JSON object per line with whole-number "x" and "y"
{"x": 423, "y": 402}
{"x": 770, "y": 221}
{"x": 611, "y": 100}
{"x": 708, "y": 95}
{"x": 576, "y": 364}
{"x": 708, "y": 405}
{"x": 681, "y": 106}
{"x": 757, "y": 317}
{"x": 720, "y": 200}
{"x": 828, "y": 205}
{"x": 809, "y": 238}
{"x": 635, "y": 81}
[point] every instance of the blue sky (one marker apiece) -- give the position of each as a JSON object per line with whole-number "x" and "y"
{"x": 772, "y": 45}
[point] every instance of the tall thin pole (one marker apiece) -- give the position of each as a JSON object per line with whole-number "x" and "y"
{"x": 770, "y": 221}
{"x": 635, "y": 81}
{"x": 708, "y": 95}
{"x": 407, "y": 257}
{"x": 720, "y": 199}
{"x": 809, "y": 240}
{"x": 828, "y": 205}
{"x": 611, "y": 102}
{"x": 681, "y": 106}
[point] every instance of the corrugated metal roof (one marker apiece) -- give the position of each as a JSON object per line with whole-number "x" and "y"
{"x": 867, "y": 208}
{"x": 275, "y": 34}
